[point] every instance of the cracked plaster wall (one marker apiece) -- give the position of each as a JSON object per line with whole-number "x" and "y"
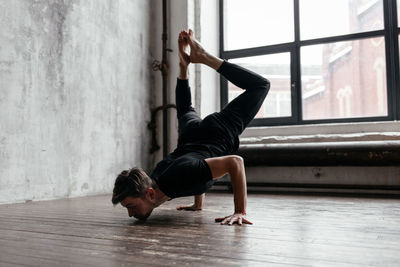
{"x": 75, "y": 85}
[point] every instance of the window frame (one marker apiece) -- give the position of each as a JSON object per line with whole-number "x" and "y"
{"x": 390, "y": 33}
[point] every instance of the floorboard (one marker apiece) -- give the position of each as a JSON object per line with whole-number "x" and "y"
{"x": 288, "y": 230}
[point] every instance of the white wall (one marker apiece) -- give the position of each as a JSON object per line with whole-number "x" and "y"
{"x": 202, "y": 17}
{"x": 75, "y": 84}
{"x": 210, "y": 79}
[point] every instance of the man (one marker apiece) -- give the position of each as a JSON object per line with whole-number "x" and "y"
{"x": 205, "y": 147}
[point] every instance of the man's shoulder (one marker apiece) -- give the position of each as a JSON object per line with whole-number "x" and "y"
{"x": 186, "y": 175}
{"x": 171, "y": 162}
{"x": 183, "y": 165}
{"x": 188, "y": 160}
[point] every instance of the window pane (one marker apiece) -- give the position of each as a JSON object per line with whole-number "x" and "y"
{"x": 337, "y": 17}
{"x": 276, "y": 68}
{"x": 398, "y": 13}
{"x": 344, "y": 79}
{"x": 255, "y": 23}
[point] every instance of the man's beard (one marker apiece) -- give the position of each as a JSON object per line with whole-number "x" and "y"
{"x": 144, "y": 217}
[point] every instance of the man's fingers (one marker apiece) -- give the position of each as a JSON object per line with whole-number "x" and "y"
{"x": 220, "y": 219}
{"x": 183, "y": 208}
{"x": 225, "y": 220}
{"x": 230, "y": 220}
{"x": 190, "y": 208}
{"x": 247, "y": 221}
{"x": 233, "y": 220}
{"x": 187, "y": 37}
{"x": 183, "y": 37}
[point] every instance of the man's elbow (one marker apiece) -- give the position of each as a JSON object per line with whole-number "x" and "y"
{"x": 237, "y": 163}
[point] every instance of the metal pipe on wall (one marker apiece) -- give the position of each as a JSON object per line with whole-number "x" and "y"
{"x": 163, "y": 67}
{"x": 164, "y": 72}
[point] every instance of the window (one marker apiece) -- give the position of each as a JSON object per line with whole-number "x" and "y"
{"x": 276, "y": 68}
{"x": 328, "y": 61}
{"x": 333, "y": 69}
{"x": 245, "y": 23}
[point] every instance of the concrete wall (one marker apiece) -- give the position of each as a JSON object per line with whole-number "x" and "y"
{"x": 75, "y": 86}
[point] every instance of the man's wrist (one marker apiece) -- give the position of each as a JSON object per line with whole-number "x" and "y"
{"x": 243, "y": 212}
{"x": 183, "y": 73}
{"x": 200, "y": 205}
{"x": 183, "y": 76}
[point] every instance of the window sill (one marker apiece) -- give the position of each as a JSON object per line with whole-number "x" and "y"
{"x": 340, "y": 132}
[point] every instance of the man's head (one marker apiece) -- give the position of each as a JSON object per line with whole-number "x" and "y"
{"x": 134, "y": 189}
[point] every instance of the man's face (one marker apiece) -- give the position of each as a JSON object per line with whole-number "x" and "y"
{"x": 138, "y": 207}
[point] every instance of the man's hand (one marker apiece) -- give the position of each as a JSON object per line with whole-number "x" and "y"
{"x": 192, "y": 207}
{"x": 234, "y": 165}
{"x": 197, "y": 52}
{"x": 238, "y": 218}
{"x": 197, "y": 205}
{"x": 184, "y": 59}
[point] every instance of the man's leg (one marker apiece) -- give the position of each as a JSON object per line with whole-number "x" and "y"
{"x": 240, "y": 111}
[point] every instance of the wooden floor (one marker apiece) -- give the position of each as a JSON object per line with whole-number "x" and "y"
{"x": 287, "y": 230}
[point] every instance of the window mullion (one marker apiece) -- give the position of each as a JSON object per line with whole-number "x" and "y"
{"x": 396, "y": 69}
{"x": 296, "y": 69}
{"x": 390, "y": 58}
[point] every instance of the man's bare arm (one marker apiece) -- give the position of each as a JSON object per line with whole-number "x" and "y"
{"x": 233, "y": 165}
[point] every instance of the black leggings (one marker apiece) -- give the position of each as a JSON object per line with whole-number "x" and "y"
{"x": 235, "y": 116}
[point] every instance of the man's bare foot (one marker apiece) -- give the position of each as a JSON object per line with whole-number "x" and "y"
{"x": 198, "y": 54}
{"x": 184, "y": 59}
